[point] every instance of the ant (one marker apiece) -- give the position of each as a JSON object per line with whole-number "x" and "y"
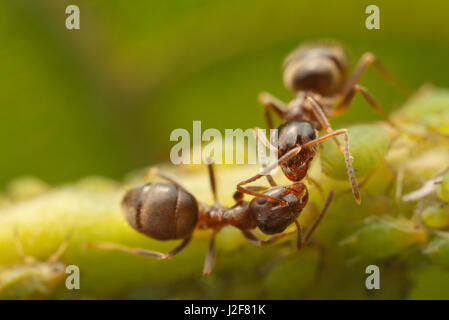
{"x": 316, "y": 73}
{"x": 167, "y": 211}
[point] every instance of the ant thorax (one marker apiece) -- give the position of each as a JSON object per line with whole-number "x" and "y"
{"x": 299, "y": 110}
{"x": 217, "y": 216}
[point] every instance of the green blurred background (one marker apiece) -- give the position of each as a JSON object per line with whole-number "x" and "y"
{"x": 104, "y": 99}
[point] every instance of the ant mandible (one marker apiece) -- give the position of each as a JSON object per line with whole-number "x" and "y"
{"x": 169, "y": 212}
{"x": 317, "y": 74}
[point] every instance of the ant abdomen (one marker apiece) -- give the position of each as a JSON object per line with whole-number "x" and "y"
{"x": 161, "y": 211}
{"x": 272, "y": 217}
{"x": 317, "y": 67}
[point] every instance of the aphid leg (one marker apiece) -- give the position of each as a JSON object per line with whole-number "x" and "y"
{"x": 427, "y": 188}
{"x": 271, "y": 102}
{"x": 25, "y": 259}
{"x": 367, "y": 59}
{"x": 251, "y": 237}
{"x": 348, "y": 97}
{"x": 140, "y": 251}
{"x": 212, "y": 180}
{"x": 210, "y": 257}
{"x": 262, "y": 138}
{"x": 61, "y": 249}
{"x": 287, "y": 156}
{"x": 317, "y": 109}
{"x": 320, "y": 217}
{"x": 158, "y": 173}
{"x": 349, "y": 168}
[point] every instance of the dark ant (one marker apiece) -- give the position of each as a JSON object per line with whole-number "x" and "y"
{"x": 317, "y": 74}
{"x": 169, "y": 212}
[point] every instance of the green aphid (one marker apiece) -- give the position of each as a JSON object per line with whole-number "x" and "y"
{"x": 25, "y": 187}
{"x": 429, "y": 107}
{"x": 368, "y": 145}
{"x": 438, "y": 250}
{"x": 443, "y": 189}
{"x": 380, "y": 238}
{"x": 33, "y": 279}
{"x": 436, "y": 216}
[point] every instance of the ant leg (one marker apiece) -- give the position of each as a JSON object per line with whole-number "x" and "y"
{"x": 158, "y": 173}
{"x": 251, "y": 237}
{"x": 367, "y": 59}
{"x": 347, "y": 99}
{"x": 322, "y": 119}
{"x": 287, "y": 156}
{"x": 212, "y": 181}
{"x": 320, "y": 217}
{"x": 25, "y": 259}
{"x": 271, "y": 102}
{"x": 263, "y": 159}
{"x": 140, "y": 251}
{"x": 238, "y": 196}
{"x": 210, "y": 257}
{"x": 60, "y": 251}
{"x": 349, "y": 168}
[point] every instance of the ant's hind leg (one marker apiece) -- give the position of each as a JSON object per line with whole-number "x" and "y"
{"x": 153, "y": 171}
{"x": 271, "y": 102}
{"x": 367, "y": 59}
{"x": 349, "y": 96}
{"x": 139, "y": 251}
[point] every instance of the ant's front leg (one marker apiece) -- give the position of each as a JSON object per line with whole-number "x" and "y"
{"x": 317, "y": 110}
{"x": 348, "y": 158}
{"x": 271, "y": 102}
{"x": 262, "y": 242}
{"x": 287, "y": 156}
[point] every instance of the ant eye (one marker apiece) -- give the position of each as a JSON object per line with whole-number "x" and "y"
{"x": 261, "y": 200}
{"x": 304, "y": 199}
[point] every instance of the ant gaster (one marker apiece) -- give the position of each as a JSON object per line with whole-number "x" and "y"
{"x": 317, "y": 74}
{"x": 167, "y": 211}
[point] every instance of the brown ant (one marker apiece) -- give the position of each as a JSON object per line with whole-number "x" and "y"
{"x": 317, "y": 74}
{"x": 169, "y": 212}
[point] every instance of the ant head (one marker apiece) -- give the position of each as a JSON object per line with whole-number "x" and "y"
{"x": 272, "y": 217}
{"x": 292, "y": 134}
{"x": 161, "y": 211}
{"x": 318, "y": 67}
